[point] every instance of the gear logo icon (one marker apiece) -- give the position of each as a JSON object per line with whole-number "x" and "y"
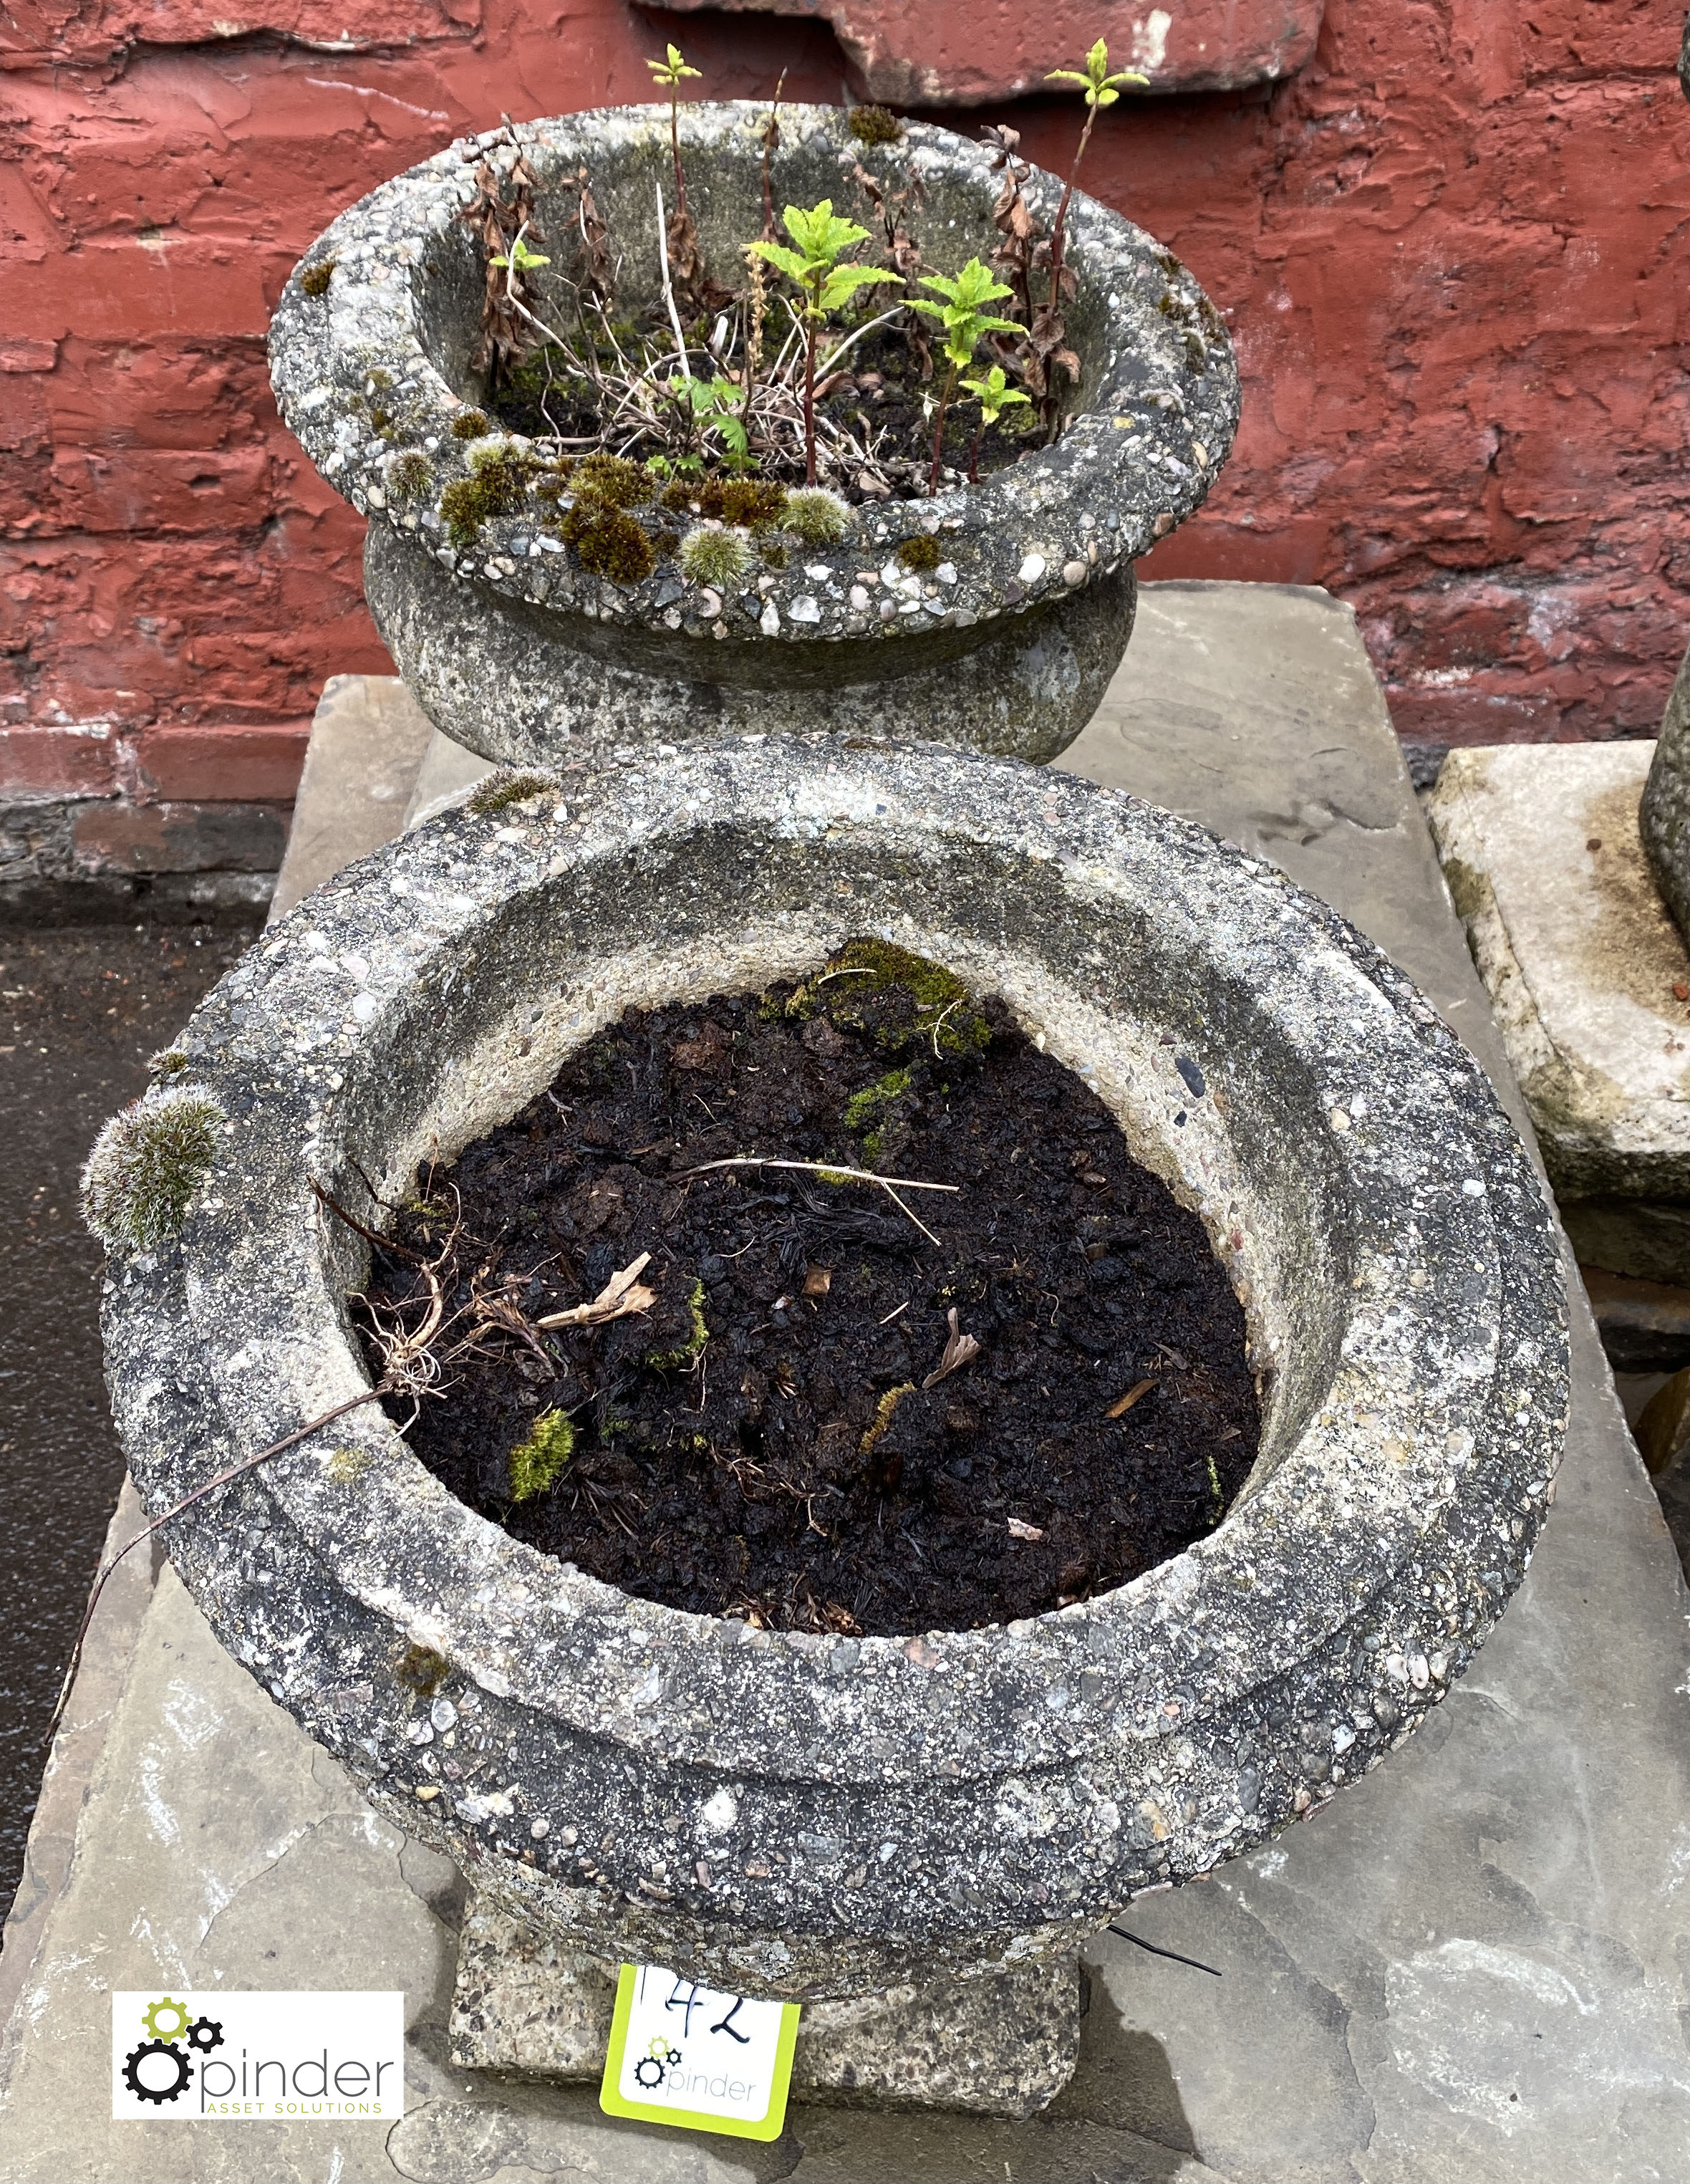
{"x": 175, "y": 2011}
{"x": 655, "y": 2065}
{"x": 156, "y": 2091}
{"x": 204, "y": 2034}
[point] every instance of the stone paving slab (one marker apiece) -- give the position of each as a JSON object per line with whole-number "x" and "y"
{"x": 368, "y": 741}
{"x": 1474, "y": 1968}
{"x": 1584, "y": 967}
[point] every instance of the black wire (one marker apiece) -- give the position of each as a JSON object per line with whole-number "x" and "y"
{"x": 1173, "y": 1955}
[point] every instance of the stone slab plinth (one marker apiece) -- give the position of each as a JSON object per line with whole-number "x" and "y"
{"x": 1590, "y": 981}
{"x": 1470, "y": 1967}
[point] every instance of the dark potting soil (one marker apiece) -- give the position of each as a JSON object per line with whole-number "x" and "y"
{"x": 879, "y": 396}
{"x": 775, "y": 1436}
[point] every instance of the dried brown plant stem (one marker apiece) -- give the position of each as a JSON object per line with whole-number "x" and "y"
{"x": 234, "y": 1471}
{"x": 674, "y": 151}
{"x": 811, "y": 331}
{"x": 771, "y": 144}
{"x": 827, "y": 1171}
{"x": 945, "y": 393}
{"x": 758, "y": 303}
{"x": 668, "y": 285}
{"x": 1058, "y": 233}
{"x": 623, "y": 1294}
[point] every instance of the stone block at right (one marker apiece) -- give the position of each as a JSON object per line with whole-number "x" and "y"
{"x": 1589, "y": 979}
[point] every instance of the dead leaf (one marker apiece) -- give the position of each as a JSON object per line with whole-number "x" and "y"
{"x": 503, "y": 1311}
{"x": 1119, "y": 1410}
{"x": 958, "y": 1351}
{"x": 623, "y": 1293}
{"x": 1017, "y": 1530}
{"x": 704, "y": 1051}
{"x": 818, "y": 1280}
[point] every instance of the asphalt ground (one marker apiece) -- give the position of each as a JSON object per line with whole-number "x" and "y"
{"x": 81, "y": 1009}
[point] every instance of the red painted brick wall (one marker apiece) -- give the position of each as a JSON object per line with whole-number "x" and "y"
{"x": 1451, "y": 251}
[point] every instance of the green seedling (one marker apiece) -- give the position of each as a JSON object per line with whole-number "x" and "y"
{"x": 994, "y": 394}
{"x": 817, "y": 271}
{"x": 1101, "y": 89}
{"x": 966, "y": 323}
{"x": 669, "y": 73}
{"x": 714, "y": 407}
{"x": 520, "y": 257}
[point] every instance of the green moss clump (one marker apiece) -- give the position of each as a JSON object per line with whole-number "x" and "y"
{"x": 874, "y": 125}
{"x": 497, "y": 485}
{"x": 751, "y": 503}
{"x": 711, "y": 555}
{"x": 470, "y": 425}
{"x": 499, "y": 790}
{"x": 535, "y": 1465}
{"x": 774, "y": 553}
{"x": 817, "y": 516}
{"x": 315, "y": 279}
{"x": 422, "y": 1670}
{"x": 146, "y": 1165}
{"x": 946, "y": 1012}
{"x": 410, "y": 477}
{"x": 698, "y": 1336}
{"x": 608, "y": 543}
{"x": 882, "y": 1418}
{"x": 169, "y": 1062}
{"x": 613, "y": 480}
{"x": 920, "y": 554}
{"x": 886, "y": 964}
{"x": 863, "y": 1108}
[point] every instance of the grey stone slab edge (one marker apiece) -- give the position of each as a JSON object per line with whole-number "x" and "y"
{"x": 94, "y": 1697}
{"x": 1565, "y": 967}
{"x": 368, "y": 739}
{"x": 1254, "y": 708}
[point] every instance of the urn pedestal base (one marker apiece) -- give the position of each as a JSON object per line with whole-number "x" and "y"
{"x": 1002, "y": 2045}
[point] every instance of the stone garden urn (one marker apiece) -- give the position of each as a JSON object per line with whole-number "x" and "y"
{"x": 1664, "y": 816}
{"x": 817, "y": 1816}
{"x": 516, "y": 651}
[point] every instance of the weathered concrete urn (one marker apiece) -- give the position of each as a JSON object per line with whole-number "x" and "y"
{"x": 824, "y": 1817}
{"x": 517, "y": 652}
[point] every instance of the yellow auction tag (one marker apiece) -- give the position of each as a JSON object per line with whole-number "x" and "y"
{"x": 683, "y": 2054}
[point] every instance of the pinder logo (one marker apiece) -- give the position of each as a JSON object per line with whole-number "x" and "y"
{"x": 234, "y": 2056}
